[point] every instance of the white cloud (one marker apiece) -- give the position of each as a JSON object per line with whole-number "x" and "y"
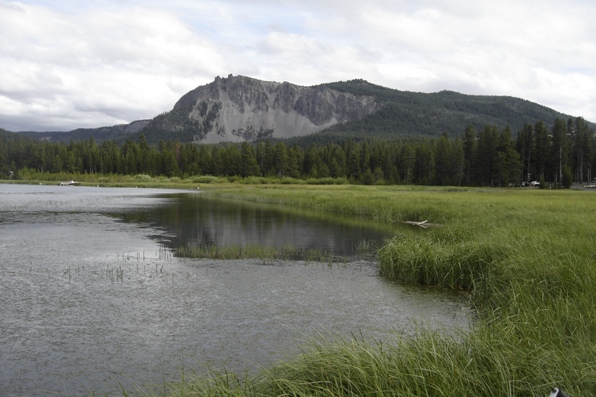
{"x": 66, "y": 64}
{"x": 97, "y": 67}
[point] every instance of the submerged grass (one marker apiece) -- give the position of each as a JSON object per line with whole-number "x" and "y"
{"x": 254, "y": 252}
{"x": 526, "y": 256}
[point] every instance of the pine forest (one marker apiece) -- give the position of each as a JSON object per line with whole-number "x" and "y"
{"x": 555, "y": 157}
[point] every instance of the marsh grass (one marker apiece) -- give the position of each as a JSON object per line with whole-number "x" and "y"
{"x": 30, "y": 176}
{"x": 363, "y": 248}
{"x": 255, "y": 252}
{"x": 380, "y": 203}
{"x": 526, "y": 256}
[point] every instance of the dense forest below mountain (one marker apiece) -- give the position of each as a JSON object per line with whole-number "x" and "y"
{"x": 490, "y": 156}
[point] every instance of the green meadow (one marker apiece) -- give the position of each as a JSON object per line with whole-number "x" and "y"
{"x": 527, "y": 257}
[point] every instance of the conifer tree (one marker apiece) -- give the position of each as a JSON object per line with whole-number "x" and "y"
{"x": 559, "y": 152}
{"x": 250, "y": 167}
{"x": 507, "y": 161}
{"x": 486, "y": 155}
{"x": 541, "y": 149}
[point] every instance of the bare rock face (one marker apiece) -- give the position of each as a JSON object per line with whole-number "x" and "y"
{"x": 239, "y": 108}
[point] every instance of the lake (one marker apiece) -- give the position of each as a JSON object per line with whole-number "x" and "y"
{"x": 92, "y": 296}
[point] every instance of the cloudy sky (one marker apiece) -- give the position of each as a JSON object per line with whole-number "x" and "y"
{"x": 67, "y": 63}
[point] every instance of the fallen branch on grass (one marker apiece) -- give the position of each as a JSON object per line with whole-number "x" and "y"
{"x": 423, "y": 224}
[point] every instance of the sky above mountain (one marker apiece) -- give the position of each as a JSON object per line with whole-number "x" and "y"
{"x": 66, "y": 64}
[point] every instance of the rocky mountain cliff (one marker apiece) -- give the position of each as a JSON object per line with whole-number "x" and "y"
{"x": 239, "y": 108}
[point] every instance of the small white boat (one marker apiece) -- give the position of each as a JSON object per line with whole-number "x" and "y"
{"x": 71, "y": 183}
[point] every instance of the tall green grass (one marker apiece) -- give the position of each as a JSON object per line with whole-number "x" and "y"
{"x": 528, "y": 259}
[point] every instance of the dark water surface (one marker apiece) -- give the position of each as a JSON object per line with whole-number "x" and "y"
{"x": 92, "y": 298}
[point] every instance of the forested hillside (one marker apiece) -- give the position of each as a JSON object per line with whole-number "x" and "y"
{"x": 415, "y": 114}
{"x": 487, "y": 157}
{"x": 118, "y": 133}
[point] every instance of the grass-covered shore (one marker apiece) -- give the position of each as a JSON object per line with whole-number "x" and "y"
{"x": 527, "y": 256}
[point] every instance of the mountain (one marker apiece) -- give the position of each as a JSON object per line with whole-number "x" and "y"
{"x": 239, "y": 108}
{"x": 116, "y": 133}
{"x": 415, "y": 114}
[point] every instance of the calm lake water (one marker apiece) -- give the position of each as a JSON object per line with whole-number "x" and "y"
{"x": 91, "y": 296}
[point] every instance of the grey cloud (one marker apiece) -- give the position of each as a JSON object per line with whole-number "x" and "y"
{"x": 98, "y": 64}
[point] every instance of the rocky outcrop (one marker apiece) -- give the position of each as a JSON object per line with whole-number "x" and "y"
{"x": 239, "y": 108}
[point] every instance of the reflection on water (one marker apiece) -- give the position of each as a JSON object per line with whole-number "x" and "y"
{"x": 200, "y": 221}
{"x": 90, "y": 298}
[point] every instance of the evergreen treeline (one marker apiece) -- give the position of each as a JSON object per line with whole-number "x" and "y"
{"x": 564, "y": 154}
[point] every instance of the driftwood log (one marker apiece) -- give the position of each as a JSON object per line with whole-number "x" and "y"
{"x": 423, "y": 224}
